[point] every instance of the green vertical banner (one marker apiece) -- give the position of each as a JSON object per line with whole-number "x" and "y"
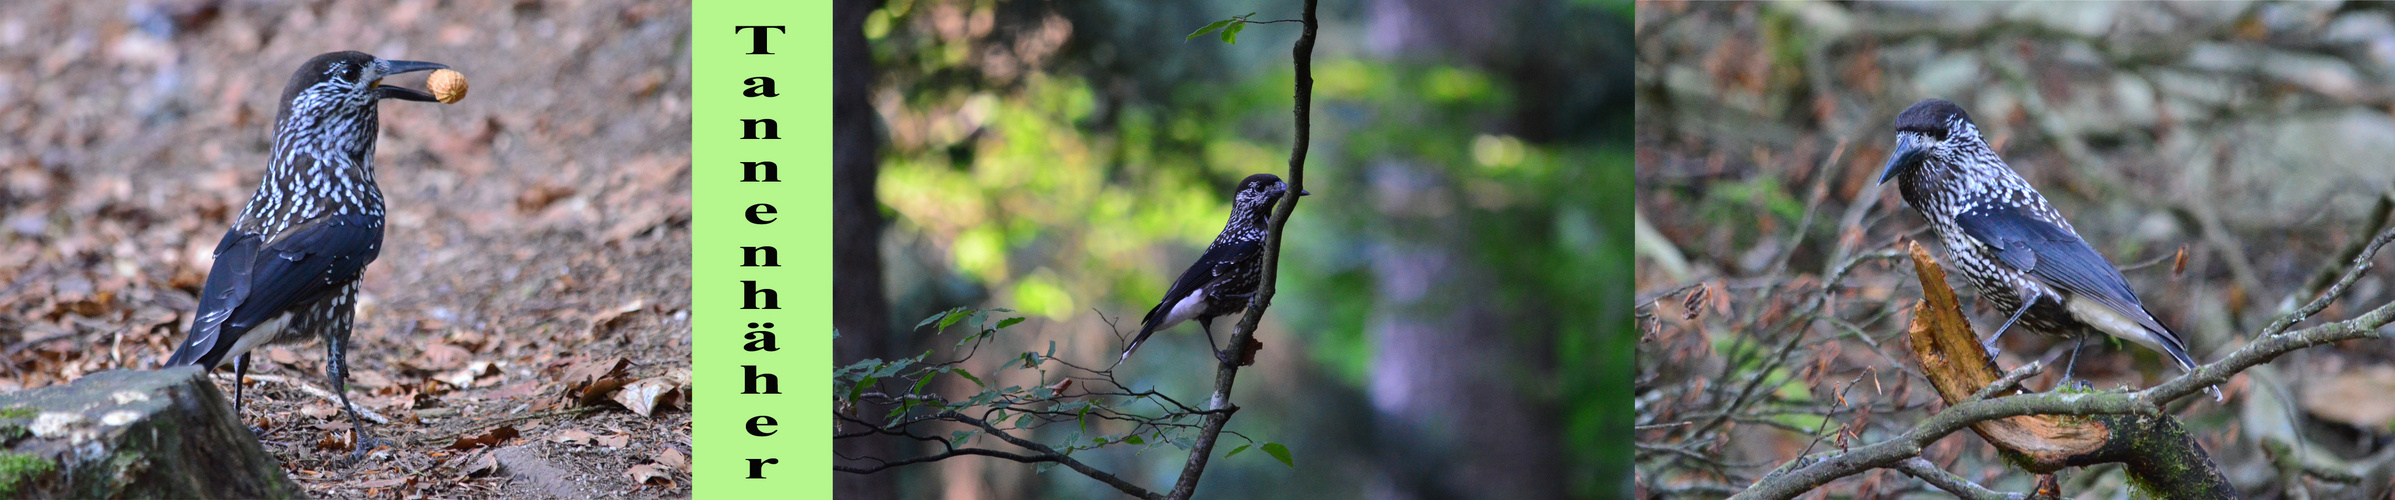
{"x": 761, "y": 303}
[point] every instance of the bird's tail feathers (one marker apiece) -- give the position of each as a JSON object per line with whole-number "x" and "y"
{"x": 1147, "y": 326}
{"x": 194, "y": 351}
{"x": 2177, "y": 349}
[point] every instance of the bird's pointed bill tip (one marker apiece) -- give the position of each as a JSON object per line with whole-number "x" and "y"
{"x": 398, "y": 66}
{"x": 404, "y": 93}
{"x": 1904, "y": 157}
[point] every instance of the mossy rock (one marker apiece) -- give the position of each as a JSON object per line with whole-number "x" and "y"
{"x": 133, "y": 434}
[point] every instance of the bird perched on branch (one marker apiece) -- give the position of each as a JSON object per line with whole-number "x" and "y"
{"x": 288, "y": 269}
{"x": 1222, "y": 280}
{"x": 2009, "y": 243}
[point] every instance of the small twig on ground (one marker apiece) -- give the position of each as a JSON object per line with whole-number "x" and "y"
{"x": 320, "y": 393}
{"x": 487, "y": 426}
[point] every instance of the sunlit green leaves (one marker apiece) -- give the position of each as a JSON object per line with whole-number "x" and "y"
{"x": 1041, "y": 294}
{"x": 1455, "y": 85}
{"x": 1230, "y": 29}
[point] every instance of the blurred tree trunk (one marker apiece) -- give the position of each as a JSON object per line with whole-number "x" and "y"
{"x": 860, "y": 311}
{"x": 1447, "y": 371}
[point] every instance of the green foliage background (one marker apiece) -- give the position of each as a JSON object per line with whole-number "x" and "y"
{"x": 1074, "y": 176}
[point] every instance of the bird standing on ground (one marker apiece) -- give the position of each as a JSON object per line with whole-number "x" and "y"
{"x": 1222, "y": 280}
{"x": 2009, "y": 243}
{"x": 288, "y": 269}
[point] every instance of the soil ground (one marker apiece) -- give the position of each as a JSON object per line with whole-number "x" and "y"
{"x": 537, "y": 229}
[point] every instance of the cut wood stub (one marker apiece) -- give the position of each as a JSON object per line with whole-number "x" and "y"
{"x": 2156, "y": 452}
{"x": 1952, "y": 358}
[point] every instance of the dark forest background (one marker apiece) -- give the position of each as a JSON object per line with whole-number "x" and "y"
{"x": 1453, "y": 314}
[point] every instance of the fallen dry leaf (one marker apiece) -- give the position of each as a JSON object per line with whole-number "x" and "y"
{"x": 615, "y": 440}
{"x": 483, "y": 464}
{"x": 385, "y": 483}
{"x": 608, "y": 320}
{"x": 539, "y": 197}
{"x": 496, "y": 436}
{"x": 319, "y": 410}
{"x": 590, "y": 381}
{"x": 441, "y": 357}
{"x": 648, "y": 395}
{"x": 464, "y": 377}
{"x": 368, "y": 379}
{"x": 650, "y": 474}
{"x": 674, "y": 458}
{"x": 575, "y": 436}
{"x": 2355, "y": 397}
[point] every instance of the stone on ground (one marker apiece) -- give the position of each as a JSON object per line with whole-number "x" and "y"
{"x": 133, "y": 434}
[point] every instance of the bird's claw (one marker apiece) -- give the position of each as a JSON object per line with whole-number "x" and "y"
{"x": 2080, "y": 385}
{"x": 357, "y": 452}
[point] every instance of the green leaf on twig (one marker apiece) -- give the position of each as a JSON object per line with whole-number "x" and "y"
{"x": 1280, "y": 453}
{"x": 1208, "y": 29}
{"x": 1230, "y": 28}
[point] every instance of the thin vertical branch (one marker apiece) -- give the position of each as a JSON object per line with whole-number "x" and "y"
{"x": 1302, "y": 56}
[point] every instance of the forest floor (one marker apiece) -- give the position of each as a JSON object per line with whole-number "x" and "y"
{"x": 538, "y": 233}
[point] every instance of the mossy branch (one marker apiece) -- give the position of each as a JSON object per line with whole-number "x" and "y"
{"x": 2133, "y": 428}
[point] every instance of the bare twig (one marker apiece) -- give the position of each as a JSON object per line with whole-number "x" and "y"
{"x": 2361, "y": 263}
{"x": 487, "y": 426}
{"x": 1928, "y": 473}
{"x": 312, "y": 390}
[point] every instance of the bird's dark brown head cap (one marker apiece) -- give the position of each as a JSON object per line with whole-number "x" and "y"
{"x": 1930, "y": 116}
{"x": 348, "y": 76}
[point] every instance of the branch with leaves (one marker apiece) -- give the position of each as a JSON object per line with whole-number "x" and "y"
{"x": 1078, "y": 401}
{"x": 1086, "y": 399}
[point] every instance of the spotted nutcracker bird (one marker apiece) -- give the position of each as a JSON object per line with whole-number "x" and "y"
{"x": 288, "y": 269}
{"x": 2009, "y": 243}
{"x": 1222, "y": 280}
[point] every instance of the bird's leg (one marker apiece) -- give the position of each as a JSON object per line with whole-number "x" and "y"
{"x": 1990, "y": 345}
{"x": 240, "y": 372}
{"x": 338, "y": 370}
{"x": 2073, "y": 361}
{"x": 1223, "y": 355}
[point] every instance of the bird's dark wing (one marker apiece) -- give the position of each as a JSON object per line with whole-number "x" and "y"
{"x": 2054, "y": 256}
{"x": 228, "y": 284}
{"x": 254, "y": 280}
{"x": 1218, "y": 261}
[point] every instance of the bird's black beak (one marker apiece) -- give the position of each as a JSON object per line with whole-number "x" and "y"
{"x": 404, "y": 93}
{"x": 1302, "y": 192}
{"x": 1907, "y": 156}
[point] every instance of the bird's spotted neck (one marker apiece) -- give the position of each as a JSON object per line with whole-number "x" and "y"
{"x": 322, "y": 163}
{"x": 1964, "y": 170}
{"x": 1249, "y": 220}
